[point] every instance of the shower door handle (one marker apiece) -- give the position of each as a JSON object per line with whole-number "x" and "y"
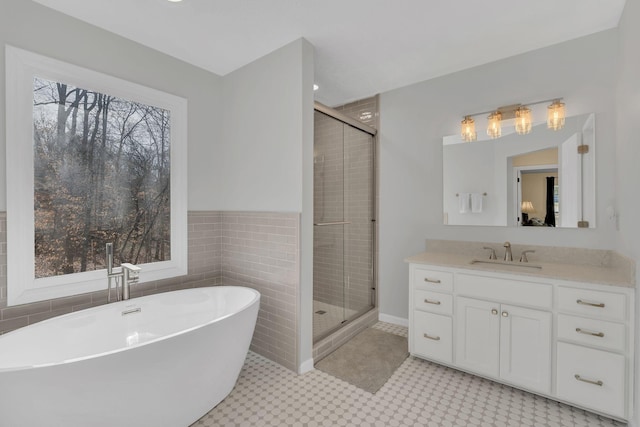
{"x": 322, "y": 224}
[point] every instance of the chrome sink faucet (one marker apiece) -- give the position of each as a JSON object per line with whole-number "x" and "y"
{"x": 129, "y": 274}
{"x": 508, "y": 256}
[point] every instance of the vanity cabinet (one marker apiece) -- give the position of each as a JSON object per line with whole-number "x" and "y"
{"x": 569, "y": 341}
{"x": 504, "y": 341}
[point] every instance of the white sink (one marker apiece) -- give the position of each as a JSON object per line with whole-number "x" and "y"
{"x": 506, "y": 265}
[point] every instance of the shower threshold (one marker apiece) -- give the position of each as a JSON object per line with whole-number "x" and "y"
{"x": 328, "y": 318}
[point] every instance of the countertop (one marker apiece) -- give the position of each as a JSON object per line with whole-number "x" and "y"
{"x": 572, "y": 272}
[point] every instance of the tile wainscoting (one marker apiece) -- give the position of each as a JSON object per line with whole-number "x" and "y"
{"x": 255, "y": 249}
{"x": 261, "y": 250}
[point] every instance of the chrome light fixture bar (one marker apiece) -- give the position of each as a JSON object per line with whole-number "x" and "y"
{"x": 522, "y": 115}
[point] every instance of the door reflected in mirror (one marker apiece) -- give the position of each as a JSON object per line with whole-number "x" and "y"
{"x": 536, "y": 180}
{"x": 537, "y": 188}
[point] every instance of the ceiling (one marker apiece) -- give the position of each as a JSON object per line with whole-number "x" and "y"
{"x": 363, "y": 47}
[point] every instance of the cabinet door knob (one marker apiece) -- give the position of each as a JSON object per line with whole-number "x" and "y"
{"x": 505, "y": 314}
{"x": 494, "y": 311}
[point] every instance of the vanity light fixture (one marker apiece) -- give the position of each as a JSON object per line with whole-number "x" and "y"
{"x": 555, "y": 115}
{"x": 494, "y": 128}
{"x": 469, "y": 133}
{"x": 523, "y": 120}
{"x": 521, "y": 113}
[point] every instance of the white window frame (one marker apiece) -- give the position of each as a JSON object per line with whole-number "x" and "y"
{"x": 21, "y": 68}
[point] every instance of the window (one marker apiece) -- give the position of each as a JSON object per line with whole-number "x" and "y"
{"x": 90, "y": 159}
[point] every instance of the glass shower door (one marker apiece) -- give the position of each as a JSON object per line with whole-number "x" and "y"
{"x": 343, "y": 227}
{"x": 359, "y": 213}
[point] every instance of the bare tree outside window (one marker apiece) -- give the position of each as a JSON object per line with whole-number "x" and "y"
{"x": 101, "y": 174}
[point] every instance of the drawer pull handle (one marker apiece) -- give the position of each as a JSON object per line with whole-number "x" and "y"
{"x": 592, "y": 304}
{"x": 428, "y": 301}
{"x": 426, "y": 279}
{"x": 595, "y": 334}
{"x": 431, "y": 338}
{"x": 584, "y": 380}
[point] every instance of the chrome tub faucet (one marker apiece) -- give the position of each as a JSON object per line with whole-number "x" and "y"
{"x": 124, "y": 276}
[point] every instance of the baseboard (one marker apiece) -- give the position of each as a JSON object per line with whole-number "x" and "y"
{"x": 306, "y": 366}
{"x": 400, "y": 321}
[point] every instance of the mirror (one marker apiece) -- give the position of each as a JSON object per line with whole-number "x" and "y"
{"x": 535, "y": 180}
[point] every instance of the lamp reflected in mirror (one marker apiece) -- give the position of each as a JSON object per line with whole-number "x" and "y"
{"x": 527, "y": 208}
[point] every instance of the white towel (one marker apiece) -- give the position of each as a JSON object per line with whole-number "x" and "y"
{"x": 463, "y": 199}
{"x": 476, "y": 202}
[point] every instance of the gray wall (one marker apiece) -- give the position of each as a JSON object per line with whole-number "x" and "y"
{"x": 263, "y": 126}
{"x": 628, "y": 156}
{"x": 414, "y": 119}
{"x": 33, "y": 27}
{"x": 265, "y": 160}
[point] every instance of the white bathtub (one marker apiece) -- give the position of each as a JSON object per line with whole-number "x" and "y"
{"x": 165, "y": 365}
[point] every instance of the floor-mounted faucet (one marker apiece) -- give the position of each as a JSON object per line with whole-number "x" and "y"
{"x": 129, "y": 274}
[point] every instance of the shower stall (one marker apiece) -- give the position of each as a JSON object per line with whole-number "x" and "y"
{"x": 344, "y": 222}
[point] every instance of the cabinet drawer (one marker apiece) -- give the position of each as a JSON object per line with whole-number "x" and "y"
{"x": 509, "y": 291}
{"x": 432, "y": 336}
{"x": 434, "y": 302}
{"x": 592, "y": 303}
{"x": 592, "y": 332}
{"x": 433, "y": 280}
{"x": 591, "y": 378}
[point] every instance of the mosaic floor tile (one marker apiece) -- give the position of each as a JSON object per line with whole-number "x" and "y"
{"x": 419, "y": 393}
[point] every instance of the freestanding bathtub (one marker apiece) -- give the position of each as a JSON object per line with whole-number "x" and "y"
{"x": 159, "y": 360}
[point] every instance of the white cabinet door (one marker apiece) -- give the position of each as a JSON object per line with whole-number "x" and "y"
{"x": 525, "y": 347}
{"x": 478, "y": 335}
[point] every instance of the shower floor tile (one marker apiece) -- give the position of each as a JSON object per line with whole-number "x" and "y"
{"x": 332, "y": 317}
{"x": 419, "y": 393}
